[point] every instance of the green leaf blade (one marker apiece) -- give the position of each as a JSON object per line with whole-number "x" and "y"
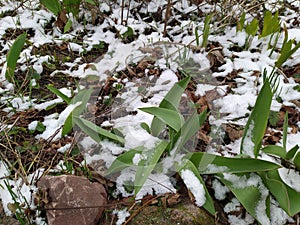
{"x": 253, "y": 196}
{"x": 275, "y": 150}
{"x": 95, "y": 132}
{"x": 189, "y": 129}
{"x": 291, "y": 153}
{"x": 212, "y": 164}
{"x": 123, "y": 161}
{"x": 52, "y": 5}
{"x": 257, "y": 122}
{"x": 288, "y": 198}
{"x": 68, "y": 125}
{"x": 252, "y": 27}
{"x": 13, "y": 55}
{"x": 169, "y": 117}
{"x": 271, "y": 24}
{"x": 206, "y": 30}
{"x": 72, "y": 6}
{"x": 170, "y": 101}
{"x": 59, "y": 94}
{"x": 146, "y": 166}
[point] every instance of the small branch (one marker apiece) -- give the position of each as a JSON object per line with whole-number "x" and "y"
{"x": 167, "y": 16}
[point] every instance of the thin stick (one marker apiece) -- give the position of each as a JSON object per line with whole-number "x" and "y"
{"x": 167, "y": 16}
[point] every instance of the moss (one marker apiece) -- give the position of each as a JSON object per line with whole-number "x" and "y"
{"x": 184, "y": 213}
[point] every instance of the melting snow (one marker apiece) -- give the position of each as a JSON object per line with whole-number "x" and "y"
{"x": 233, "y": 106}
{"x": 55, "y": 122}
{"x": 122, "y": 215}
{"x": 220, "y": 190}
{"x": 194, "y": 185}
{"x": 241, "y": 182}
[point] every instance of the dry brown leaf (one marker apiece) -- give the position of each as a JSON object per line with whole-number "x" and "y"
{"x": 233, "y": 131}
{"x": 204, "y": 137}
{"x": 61, "y": 20}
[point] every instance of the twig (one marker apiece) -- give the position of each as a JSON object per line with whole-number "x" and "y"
{"x": 122, "y": 11}
{"x": 167, "y": 16}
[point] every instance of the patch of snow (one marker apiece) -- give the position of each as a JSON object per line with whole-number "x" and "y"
{"x": 240, "y": 220}
{"x": 194, "y": 185}
{"x": 104, "y": 7}
{"x": 245, "y": 64}
{"x": 156, "y": 184}
{"x": 47, "y": 104}
{"x": 247, "y": 145}
{"x": 52, "y": 124}
{"x": 33, "y": 125}
{"x": 294, "y": 33}
{"x": 254, "y": 180}
{"x": 290, "y": 177}
{"x": 202, "y": 88}
{"x": 165, "y": 82}
{"x": 114, "y": 148}
{"x": 137, "y": 158}
{"x": 87, "y": 143}
{"x": 212, "y": 168}
{"x": 235, "y": 105}
{"x": 233, "y": 205}
{"x": 17, "y": 103}
{"x": 107, "y": 124}
{"x": 64, "y": 148}
{"x": 288, "y": 93}
{"x": 136, "y": 136}
{"x": 220, "y": 190}
{"x": 225, "y": 69}
{"x": 122, "y": 215}
{"x": 233, "y": 147}
{"x": 277, "y": 215}
{"x": 292, "y": 140}
{"x": 169, "y": 161}
{"x": 22, "y": 190}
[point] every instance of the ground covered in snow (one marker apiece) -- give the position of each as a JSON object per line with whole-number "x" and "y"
{"x": 130, "y": 56}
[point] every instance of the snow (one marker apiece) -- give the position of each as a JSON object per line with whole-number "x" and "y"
{"x": 233, "y": 205}
{"x": 292, "y": 140}
{"x": 47, "y": 104}
{"x": 202, "y": 88}
{"x": 195, "y": 186}
{"x": 254, "y": 180}
{"x": 212, "y": 168}
{"x": 278, "y": 215}
{"x": 55, "y": 122}
{"x": 220, "y": 190}
{"x": 247, "y": 145}
{"x": 231, "y": 107}
{"x": 22, "y": 189}
{"x": 156, "y": 183}
{"x": 32, "y": 126}
{"x": 235, "y": 105}
{"x": 137, "y": 136}
{"x": 18, "y": 103}
{"x": 290, "y": 177}
{"x": 122, "y": 215}
{"x": 239, "y": 220}
{"x": 64, "y": 148}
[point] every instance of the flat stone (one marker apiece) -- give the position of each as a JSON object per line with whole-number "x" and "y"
{"x": 77, "y": 200}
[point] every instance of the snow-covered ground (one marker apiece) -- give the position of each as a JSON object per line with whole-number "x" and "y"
{"x": 169, "y": 53}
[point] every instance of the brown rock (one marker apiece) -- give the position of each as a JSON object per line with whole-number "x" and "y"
{"x": 77, "y": 200}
